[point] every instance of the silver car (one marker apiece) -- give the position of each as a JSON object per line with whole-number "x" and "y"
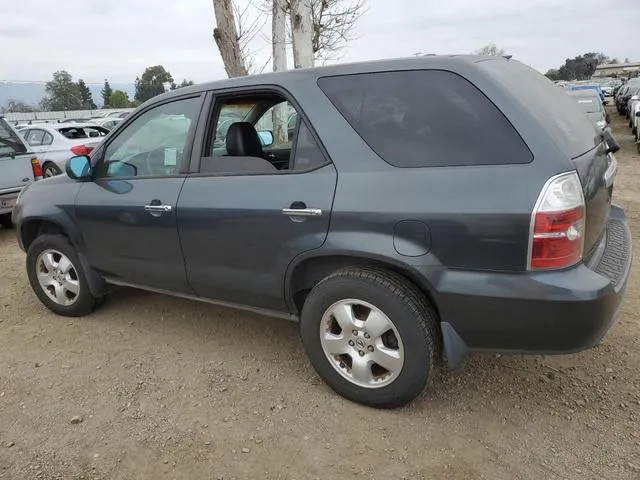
{"x": 592, "y": 106}
{"x": 55, "y": 143}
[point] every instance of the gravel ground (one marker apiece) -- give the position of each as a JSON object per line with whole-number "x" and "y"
{"x": 152, "y": 387}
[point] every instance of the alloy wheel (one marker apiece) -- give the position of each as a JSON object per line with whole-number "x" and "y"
{"x": 58, "y": 277}
{"x": 361, "y": 343}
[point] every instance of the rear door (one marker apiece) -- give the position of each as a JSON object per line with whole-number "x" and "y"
{"x": 127, "y": 214}
{"x": 240, "y": 229}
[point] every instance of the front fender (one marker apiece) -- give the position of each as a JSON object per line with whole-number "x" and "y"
{"x": 53, "y": 201}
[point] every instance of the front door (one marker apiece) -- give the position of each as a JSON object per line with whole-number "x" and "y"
{"x": 127, "y": 214}
{"x": 242, "y": 224}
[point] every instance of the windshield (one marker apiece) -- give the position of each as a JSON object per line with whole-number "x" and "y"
{"x": 589, "y": 105}
{"x": 10, "y": 142}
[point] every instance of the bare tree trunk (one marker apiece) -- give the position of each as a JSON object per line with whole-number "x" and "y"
{"x": 302, "y": 33}
{"x": 279, "y": 32}
{"x": 226, "y": 36}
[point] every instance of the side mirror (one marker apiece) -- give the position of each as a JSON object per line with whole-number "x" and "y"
{"x": 79, "y": 167}
{"x": 606, "y": 102}
{"x": 266, "y": 137}
{"x": 638, "y": 113}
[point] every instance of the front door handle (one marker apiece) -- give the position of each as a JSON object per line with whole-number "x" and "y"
{"x": 157, "y": 210}
{"x": 302, "y": 212}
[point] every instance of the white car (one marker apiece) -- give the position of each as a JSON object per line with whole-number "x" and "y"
{"x": 55, "y": 143}
{"x": 107, "y": 122}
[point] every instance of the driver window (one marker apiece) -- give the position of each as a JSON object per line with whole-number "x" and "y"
{"x": 153, "y": 144}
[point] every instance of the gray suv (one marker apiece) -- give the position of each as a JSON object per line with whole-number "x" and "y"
{"x": 420, "y": 209}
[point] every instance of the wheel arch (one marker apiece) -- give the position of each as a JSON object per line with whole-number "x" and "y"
{"x": 304, "y": 273}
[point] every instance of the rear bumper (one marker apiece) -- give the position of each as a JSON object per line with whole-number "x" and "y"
{"x": 8, "y": 201}
{"x": 543, "y": 312}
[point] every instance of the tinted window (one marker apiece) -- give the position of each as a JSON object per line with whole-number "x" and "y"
{"x": 308, "y": 154}
{"x": 425, "y": 118}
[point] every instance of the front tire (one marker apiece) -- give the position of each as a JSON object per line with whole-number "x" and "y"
{"x": 57, "y": 277}
{"x": 371, "y": 335}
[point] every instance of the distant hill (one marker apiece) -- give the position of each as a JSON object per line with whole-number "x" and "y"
{"x": 32, "y": 92}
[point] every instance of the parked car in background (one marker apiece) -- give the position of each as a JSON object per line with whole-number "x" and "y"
{"x": 633, "y": 96}
{"x": 590, "y": 103}
{"x": 475, "y": 217}
{"x": 107, "y": 122}
{"x": 18, "y": 168}
{"x": 625, "y": 94}
{"x": 55, "y": 143}
{"x": 587, "y": 86}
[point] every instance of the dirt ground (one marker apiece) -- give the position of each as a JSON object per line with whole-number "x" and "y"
{"x": 152, "y": 387}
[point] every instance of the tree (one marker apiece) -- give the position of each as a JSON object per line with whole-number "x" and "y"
{"x": 118, "y": 99}
{"x": 553, "y": 74}
{"x": 301, "y": 33}
{"x": 152, "y": 83}
{"x": 333, "y": 22}
{"x": 85, "y": 95}
{"x": 185, "y": 83}
{"x": 279, "y": 52}
{"x": 17, "y": 106}
{"x": 61, "y": 93}
{"x": 228, "y": 39}
{"x": 106, "y": 93}
{"x": 490, "y": 50}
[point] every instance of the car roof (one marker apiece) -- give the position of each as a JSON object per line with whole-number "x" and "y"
{"x": 280, "y": 78}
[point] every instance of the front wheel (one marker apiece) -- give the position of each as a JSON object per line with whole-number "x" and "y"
{"x": 57, "y": 278}
{"x": 371, "y": 335}
{"x": 50, "y": 170}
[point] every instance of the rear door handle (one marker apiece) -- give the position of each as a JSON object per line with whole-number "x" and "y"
{"x": 302, "y": 212}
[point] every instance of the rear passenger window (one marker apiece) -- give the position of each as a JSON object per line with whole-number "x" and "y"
{"x": 425, "y": 118}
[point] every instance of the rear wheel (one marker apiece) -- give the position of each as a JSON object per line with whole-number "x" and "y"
{"x": 57, "y": 277}
{"x": 50, "y": 170}
{"x": 371, "y": 335}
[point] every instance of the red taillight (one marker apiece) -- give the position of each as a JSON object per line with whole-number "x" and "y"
{"x": 81, "y": 150}
{"x": 558, "y": 224}
{"x": 37, "y": 169}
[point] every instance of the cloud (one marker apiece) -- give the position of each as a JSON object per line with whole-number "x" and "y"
{"x": 118, "y": 40}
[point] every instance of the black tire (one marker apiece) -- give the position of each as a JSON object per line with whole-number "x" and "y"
{"x": 634, "y": 130}
{"x": 50, "y": 169}
{"x": 409, "y": 311}
{"x": 5, "y": 221}
{"x": 85, "y": 302}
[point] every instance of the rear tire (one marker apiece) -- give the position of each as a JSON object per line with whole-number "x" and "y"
{"x": 5, "y": 221}
{"x": 359, "y": 316}
{"x": 50, "y": 169}
{"x": 57, "y": 276}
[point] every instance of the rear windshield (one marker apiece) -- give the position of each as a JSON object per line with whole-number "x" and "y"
{"x": 425, "y": 118}
{"x": 558, "y": 113}
{"x": 10, "y": 142}
{"x": 589, "y": 104}
{"x": 74, "y": 133}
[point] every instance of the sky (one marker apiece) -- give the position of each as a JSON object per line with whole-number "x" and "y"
{"x": 118, "y": 39}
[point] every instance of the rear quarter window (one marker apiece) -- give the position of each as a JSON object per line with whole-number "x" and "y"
{"x": 425, "y": 118}
{"x": 556, "y": 111}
